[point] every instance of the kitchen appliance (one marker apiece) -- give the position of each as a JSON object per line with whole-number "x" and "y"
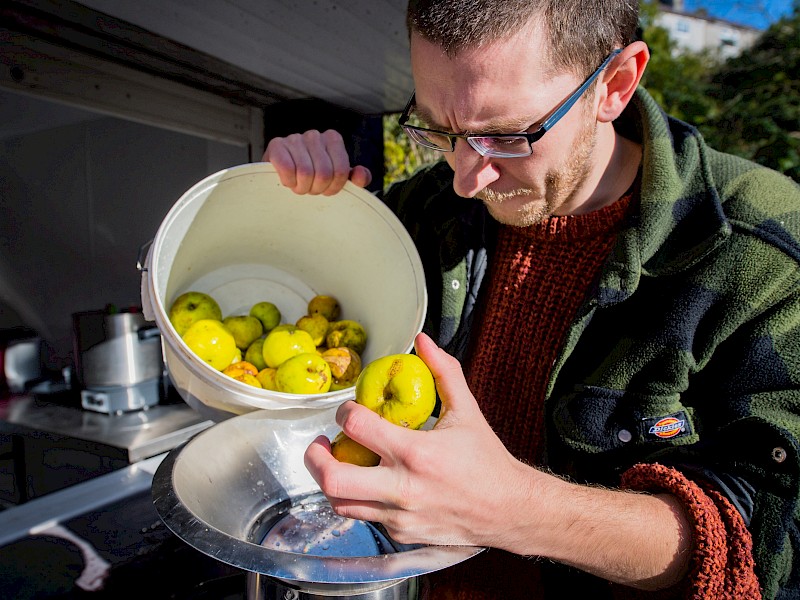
{"x": 118, "y": 359}
{"x": 20, "y": 360}
{"x": 239, "y": 492}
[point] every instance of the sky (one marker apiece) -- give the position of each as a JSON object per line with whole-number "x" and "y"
{"x": 758, "y": 13}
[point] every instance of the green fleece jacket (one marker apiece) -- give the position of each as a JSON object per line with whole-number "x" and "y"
{"x": 686, "y": 352}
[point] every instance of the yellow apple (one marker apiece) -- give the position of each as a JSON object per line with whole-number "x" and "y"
{"x": 267, "y": 313}
{"x": 400, "y": 388}
{"x": 325, "y": 305}
{"x": 347, "y": 333}
{"x": 266, "y": 377}
{"x": 282, "y": 343}
{"x": 245, "y": 329}
{"x": 306, "y": 373}
{"x": 345, "y": 449}
{"x": 212, "y": 343}
{"x": 190, "y": 307}
{"x": 316, "y": 325}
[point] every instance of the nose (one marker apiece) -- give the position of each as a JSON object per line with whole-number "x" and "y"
{"x": 471, "y": 171}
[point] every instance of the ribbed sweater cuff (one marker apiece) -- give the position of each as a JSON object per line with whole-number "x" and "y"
{"x": 722, "y": 557}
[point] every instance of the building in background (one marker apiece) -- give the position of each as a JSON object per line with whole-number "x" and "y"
{"x": 697, "y": 31}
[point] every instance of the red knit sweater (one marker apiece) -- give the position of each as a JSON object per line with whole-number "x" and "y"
{"x": 538, "y": 278}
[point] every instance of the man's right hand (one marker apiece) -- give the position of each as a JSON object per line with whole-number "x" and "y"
{"x": 314, "y": 162}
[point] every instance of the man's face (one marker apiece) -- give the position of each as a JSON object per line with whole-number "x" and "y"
{"x": 505, "y": 88}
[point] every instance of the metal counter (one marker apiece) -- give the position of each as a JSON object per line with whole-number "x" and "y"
{"x": 49, "y": 443}
{"x": 139, "y": 435}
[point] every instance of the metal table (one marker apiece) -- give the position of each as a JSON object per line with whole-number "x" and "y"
{"x": 50, "y": 442}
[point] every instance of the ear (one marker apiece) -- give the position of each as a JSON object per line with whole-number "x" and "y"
{"x": 621, "y": 80}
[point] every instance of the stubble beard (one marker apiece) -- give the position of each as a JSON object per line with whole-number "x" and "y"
{"x": 560, "y": 185}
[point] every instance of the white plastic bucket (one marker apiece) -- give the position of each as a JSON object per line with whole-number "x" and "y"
{"x": 242, "y": 237}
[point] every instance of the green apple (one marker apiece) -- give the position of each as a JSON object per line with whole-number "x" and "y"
{"x": 345, "y": 366}
{"x": 400, "y": 388}
{"x": 306, "y": 373}
{"x": 245, "y": 329}
{"x": 191, "y": 307}
{"x": 284, "y": 342}
{"x": 267, "y": 313}
{"x": 212, "y": 343}
{"x": 347, "y": 333}
{"x": 325, "y": 305}
{"x": 316, "y": 325}
{"x": 254, "y": 354}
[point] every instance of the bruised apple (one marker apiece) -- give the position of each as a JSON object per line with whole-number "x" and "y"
{"x": 400, "y": 388}
{"x": 347, "y": 333}
{"x": 243, "y": 371}
{"x": 345, "y": 366}
{"x": 306, "y": 373}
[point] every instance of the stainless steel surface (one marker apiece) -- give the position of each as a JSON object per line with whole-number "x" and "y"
{"x": 120, "y": 399}
{"x": 261, "y": 587}
{"x": 139, "y": 435}
{"x": 39, "y": 513}
{"x": 230, "y": 486}
{"x": 116, "y": 349}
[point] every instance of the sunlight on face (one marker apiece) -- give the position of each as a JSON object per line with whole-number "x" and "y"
{"x": 525, "y": 206}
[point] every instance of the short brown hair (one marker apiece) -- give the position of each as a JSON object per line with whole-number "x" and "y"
{"x": 581, "y": 32}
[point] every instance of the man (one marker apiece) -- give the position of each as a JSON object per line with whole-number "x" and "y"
{"x": 616, "y": 315}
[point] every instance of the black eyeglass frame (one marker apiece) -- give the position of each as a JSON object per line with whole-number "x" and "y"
{"x": 561, "y": 110}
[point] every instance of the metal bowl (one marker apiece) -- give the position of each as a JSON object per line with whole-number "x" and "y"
{"x": 239, "y": 492}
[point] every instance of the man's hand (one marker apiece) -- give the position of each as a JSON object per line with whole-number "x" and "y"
{"x": 314, "y": 163}
{"x": 433, "y": 487}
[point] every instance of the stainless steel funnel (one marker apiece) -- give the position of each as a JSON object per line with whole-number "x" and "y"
{"x": 239, "y": 492}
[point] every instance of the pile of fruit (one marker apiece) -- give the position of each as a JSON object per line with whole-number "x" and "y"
{"x": 317, "y": 354}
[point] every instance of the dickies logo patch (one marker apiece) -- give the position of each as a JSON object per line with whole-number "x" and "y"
{"x": 666, "y": 427}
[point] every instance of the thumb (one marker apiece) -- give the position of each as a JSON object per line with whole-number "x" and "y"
{"x": 448, "y": 375}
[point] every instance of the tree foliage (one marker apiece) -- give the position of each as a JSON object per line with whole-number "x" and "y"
{"x": 402, "y": 156}
{"x": 676, "y": 79}
{"x": 758, "y": 99}
{"x": 747, "y": 105}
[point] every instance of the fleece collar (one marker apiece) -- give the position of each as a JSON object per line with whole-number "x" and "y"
{"x": 679, "y": 219}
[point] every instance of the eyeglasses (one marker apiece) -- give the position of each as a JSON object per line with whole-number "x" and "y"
{"x": 499, "y": 145}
